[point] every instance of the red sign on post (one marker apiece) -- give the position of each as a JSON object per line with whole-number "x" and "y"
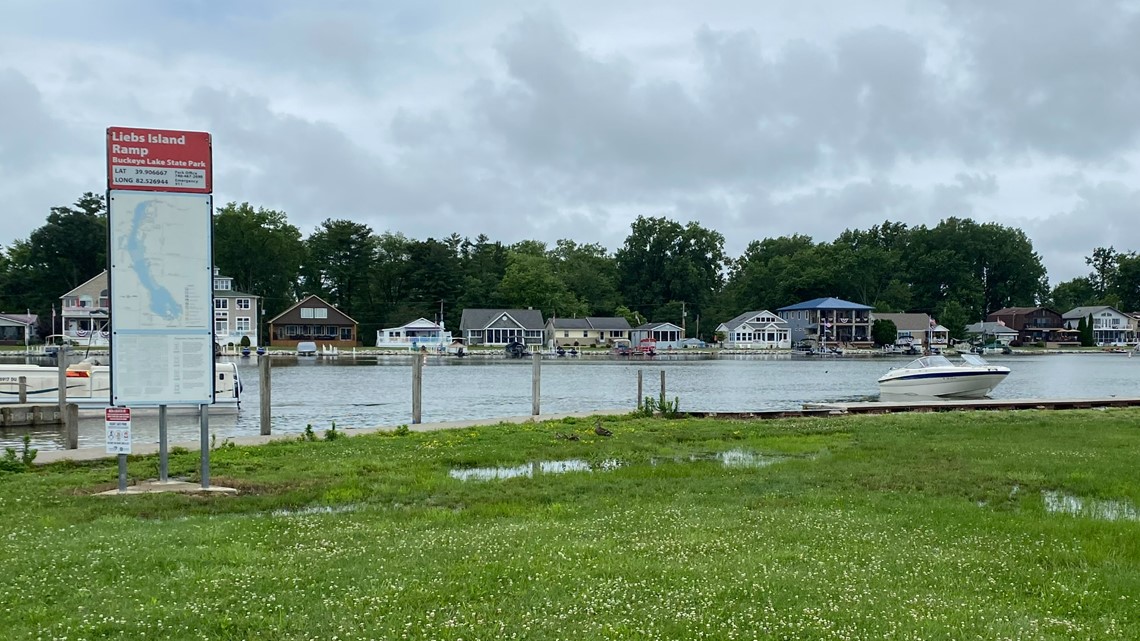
{"x": 159, "y": 160}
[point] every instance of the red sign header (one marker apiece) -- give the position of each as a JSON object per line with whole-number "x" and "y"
{"x": 159, "y": 160}
{"x": 116, "y": 414}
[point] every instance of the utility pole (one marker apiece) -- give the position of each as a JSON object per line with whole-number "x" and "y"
{"x": 683, "y": 315}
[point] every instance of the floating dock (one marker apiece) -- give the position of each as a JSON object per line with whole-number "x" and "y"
{"x": 952, "y": 405}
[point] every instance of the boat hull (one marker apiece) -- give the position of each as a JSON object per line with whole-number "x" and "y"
{"x": 91, "y": 388}
{"x": 943, "y": 385}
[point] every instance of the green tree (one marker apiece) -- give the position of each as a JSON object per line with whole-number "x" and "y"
{"x": 884, "y": 332}
{"x": 1127, "y": 282}
{"x": 261, "y": 251}
{"x": 1104, "y": 263}
{"x": 663, "y": 261}
{"x": 1083, "y": 331}
{"x": 954, "y": 318}
{"x": 589, "y": 273}
{"x": 530, "y": 281}
{"x": 433, "y": 273}
{"x": 1088, "y": 338}
{"x": 337, "y": 267}
{"x": 68, "y": 250}
{"x": 483, "y": 266}
{"x": 1078, "y": 292}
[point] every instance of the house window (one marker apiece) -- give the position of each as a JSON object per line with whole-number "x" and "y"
{"x": 306, "y": 312}
{"x": 566, "y": 334}
{"x": 346, "y": 333}
{"x": 85, "y": 301}
{"x": 243, "y": 303}
{"x": 242, "y": 324}
{"x": 222, "y": 284}
{"x": 221, "y": 303}
{"x": 320, "y": 312}
{"x": 585, "y": 334}
{"x": 221, "y": 326}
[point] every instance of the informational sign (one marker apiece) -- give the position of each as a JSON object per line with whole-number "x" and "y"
{"x": 162, "y": 310}
{"x": 118, "y": 422}
{"x": 159, "y": 160}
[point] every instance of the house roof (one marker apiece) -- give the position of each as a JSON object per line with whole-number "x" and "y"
{"x": 1013, "y": 311}
{"x": 20, "y": 319}
{"x": 1081, "y": 312}
{"x": 569, "y": 323}
{"x": 608, "y": 322}
{"x": 419, "y": 323}
{"x": 293, "y": 314}
{"x": 232, "y": 293}
{"x": 907, "y": 322}
{"x": 749, "y": 317}
{"x": 825, "y": 303}
{"x": 653, "y": 326}
{"x": 987, "y": 327}
{"x": 95, "y": 284}
{"x": 481, "y": 318}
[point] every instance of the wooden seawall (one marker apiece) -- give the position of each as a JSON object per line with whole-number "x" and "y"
{"x": 918, "y": 405}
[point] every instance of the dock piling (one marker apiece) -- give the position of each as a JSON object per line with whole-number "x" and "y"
{"x": 536, "y": 383}
{"x": 417, "y": 387}
{"x": 23, "y": 389}
{"x": 264, "y": 390}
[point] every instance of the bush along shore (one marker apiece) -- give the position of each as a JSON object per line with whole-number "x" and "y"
{"x": 922, "y": 526}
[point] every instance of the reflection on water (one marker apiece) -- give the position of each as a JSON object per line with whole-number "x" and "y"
{"x": 731, "y": 458}
{"x": 1060, "y": 503}
{"x": 376, "y": 391}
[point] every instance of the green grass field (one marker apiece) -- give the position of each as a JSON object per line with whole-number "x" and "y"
{"x": 920, "y": 526}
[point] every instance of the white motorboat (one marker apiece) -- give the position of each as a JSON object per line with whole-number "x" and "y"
{"x": 936, "y": 376}
{"x": 89, "y": 384}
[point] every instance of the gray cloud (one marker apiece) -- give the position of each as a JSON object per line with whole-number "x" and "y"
{"x": 428, "y": 119}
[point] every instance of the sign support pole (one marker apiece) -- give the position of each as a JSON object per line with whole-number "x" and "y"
{"x": 122, "y": 474}
{"x": 163, "y": 455}
{"x": 204, "y": 423}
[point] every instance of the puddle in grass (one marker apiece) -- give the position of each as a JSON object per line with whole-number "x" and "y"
{"x": 1060, "y": 503}
{"x": 731, "y": 458}
{"x": 316, "y": 509}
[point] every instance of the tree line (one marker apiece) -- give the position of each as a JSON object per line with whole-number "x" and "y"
{"x": 959, "y": 270}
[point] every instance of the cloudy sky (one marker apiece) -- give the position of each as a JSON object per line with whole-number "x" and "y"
{"x": 568, "y": 119}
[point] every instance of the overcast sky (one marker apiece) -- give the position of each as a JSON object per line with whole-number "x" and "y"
{"x": 567, "y": 120}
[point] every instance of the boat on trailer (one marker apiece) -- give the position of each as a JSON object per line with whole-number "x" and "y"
{"x": 89, "y": 384}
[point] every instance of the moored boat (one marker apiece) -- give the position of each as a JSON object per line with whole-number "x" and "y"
{"x": 936, "y": 376}
{"x": 89, "y": 384}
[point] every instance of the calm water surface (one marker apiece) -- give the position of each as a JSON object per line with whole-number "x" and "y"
{"x": 371, "y": 391}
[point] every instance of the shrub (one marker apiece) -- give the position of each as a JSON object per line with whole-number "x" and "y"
{"x": 245, "y": 341}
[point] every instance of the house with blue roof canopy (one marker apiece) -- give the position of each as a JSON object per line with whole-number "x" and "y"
{"x": 829, "y": 321}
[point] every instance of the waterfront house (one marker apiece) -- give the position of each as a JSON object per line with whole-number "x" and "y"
{"x": 86, "y": 311}
{"x": 829, "y": 321}
{"x": 1109, "y": 325}
{"x": 992, "y": 332}
{"x": 17, "y": 329}
{"x": 500, "y": 327}
{"x": 660, "y": 335}
{"x": 756, "y": 330}
{"x": 1036, "y": 325}
{"x": 592, "y": 330}
{"x": 236, "y": 313}
{"x": 313, "y": 320}
{"x": 414, "y": 335}
{"x": 917, "y": 330}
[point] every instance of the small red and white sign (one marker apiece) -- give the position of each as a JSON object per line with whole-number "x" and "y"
{"x": 159, "y": 160}
{"x": 118, "y": 423}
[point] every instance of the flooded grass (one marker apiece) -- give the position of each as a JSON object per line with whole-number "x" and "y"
{"x": 852, "y": 528}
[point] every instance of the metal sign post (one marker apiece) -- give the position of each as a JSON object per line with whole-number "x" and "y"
{"x": 204, "y": 423}
{"x": 163, "y": 454}
{"x": 117, "y": 421}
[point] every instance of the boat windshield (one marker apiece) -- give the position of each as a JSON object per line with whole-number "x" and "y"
{"x": 974, "y": 359}
{"x": 929, "y": 361}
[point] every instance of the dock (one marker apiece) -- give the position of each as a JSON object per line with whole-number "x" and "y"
{"x": 25, "y": 414}
{"x": 953, "y": 405}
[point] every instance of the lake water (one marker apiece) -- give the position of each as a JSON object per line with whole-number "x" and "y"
{"x": 372, "y": 391}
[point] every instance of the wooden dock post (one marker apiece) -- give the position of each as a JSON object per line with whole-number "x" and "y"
{"x": 70, "y": 416}
{"x": 23, "y": 389}
{"x": 662, "y": 388}
{"x": 417, "y": 387}
{"x": 61, "y": 383}
{"x": 536, "y": 383}
{"x": 263, "y": 389}
{"x": 640, "y": 390}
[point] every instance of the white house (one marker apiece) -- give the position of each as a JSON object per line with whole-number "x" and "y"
{"x": 756, "y": 330}
{"x": 501, "y": 326}
{"x": 659, "y": 335}
{"x": 420, "y": 333}
{"x": 993, "y": 332}
{"x": 1110, "y": 325}
{"x": 916, "y": 330}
